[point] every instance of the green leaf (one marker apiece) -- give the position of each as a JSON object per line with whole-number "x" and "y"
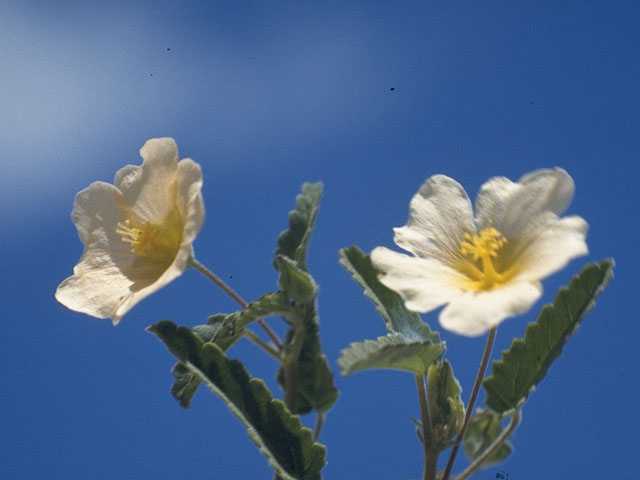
{"x": 392, "y": 351}
{"x": 294, "y": 281}
{"x": 293, "y": 242}
{"x": 310, "y": 369}
{"x": 185, "y": 385}
{"x": 446, "y": 408}
{"x": 526, "y": 362}
{"x": 279, "y": 435}
{"x": 484, "y": 427}
{"x": 224, "y": 329}
{"x": 388, "y": 303}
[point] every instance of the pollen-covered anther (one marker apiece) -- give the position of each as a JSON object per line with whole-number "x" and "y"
{"x": 141, "y": 239}
{"x": 129, "y": 234}
{"x": 484, "y": 246}
{"x": 485, "y": 243}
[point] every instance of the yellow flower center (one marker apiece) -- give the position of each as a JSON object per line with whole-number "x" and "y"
{"x": 157, "y": 242}
{"x": 483, "y": 247}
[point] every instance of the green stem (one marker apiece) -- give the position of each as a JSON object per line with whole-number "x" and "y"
{"x": 318, "y": 427}
{"x": 262, "y": 344}
{"x": 472, "y": 400}
{"x": 428, "y": 440}
{"x": 229, "y": 291}
{"x": 491, "y": 449}
{"x": 291, "y": 353}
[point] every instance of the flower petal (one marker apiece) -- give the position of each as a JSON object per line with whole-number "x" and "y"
{"x": 424, "y": 284}
{"x": 98, "y": 286}
{"x": 147, "y": 188}
{"x": 439, "y": 215}
{"x": 474, "y": 313}
{"x": 189, "y": 178}
{"x": 518, "y": 209}
{"x": 554, "y": 248}
{"x": 98, "y": 291}
{"x": 96, "y": 212}
{"x": 140, "y": 291}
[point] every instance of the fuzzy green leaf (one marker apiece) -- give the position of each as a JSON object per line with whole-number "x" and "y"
{"x": 295, "y": 281}
{"x": 484, "y": 427}
{"x": 293, "y": 243}
{"x": 313, "y": 377}
{"x": 446, "y": 409}
{"x": 279, "y": 435}
{"x": 304, "y": 365}
{"x": 387, "y": 302}
{"x": 391, "y": 351}
{"x": 527, "y": 361}
{"x": 224, "y": 329}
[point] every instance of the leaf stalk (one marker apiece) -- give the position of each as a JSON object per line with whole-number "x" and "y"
{"x": 238, "y": 299}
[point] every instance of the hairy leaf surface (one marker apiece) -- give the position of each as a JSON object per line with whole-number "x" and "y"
{"x": 391, "y": 351}
{"x": 224, "y": 330}
{"x": 387, "y": 302}
{"x": 293, "y": 243}
{"x": 527, "y": 361}
{"x": 279, "y": 435}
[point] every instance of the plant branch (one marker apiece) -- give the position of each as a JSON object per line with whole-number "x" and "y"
{"x": 229, "y": 291}
{"x": 318, "y": 427}
{"x": 472, "y": 400}
{"x": 428, "y": 440}
{"x": 291, "y": 352}
{"x": 262, "y": 344}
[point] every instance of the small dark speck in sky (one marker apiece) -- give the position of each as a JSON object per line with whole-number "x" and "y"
{"x": 168, "y": 49}
{"x": 392, "y": 89}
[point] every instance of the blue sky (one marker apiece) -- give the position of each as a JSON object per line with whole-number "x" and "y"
{"x": 369, "y": 97}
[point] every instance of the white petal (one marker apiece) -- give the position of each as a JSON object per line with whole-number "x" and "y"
{"x": 424, "y": 284}
{"x": 439, "y": 215}
{"x": 554, "y": 248}
{"x": 474, "y": 313}
{"x": 138, "y": 293}
{"x": 518, "y": 209}
{"x": 96, "y": 212}
{"x": 147, "y": 188}
{"x": 189, "y": 193}
{"x": 98, "y": 291}
{"x": 100, "y": 284}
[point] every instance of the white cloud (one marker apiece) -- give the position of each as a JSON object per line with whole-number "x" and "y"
{"x": 79, "y": 88}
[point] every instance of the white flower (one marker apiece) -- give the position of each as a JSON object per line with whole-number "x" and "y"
{"x": 137, "y": 234}
{"x": 488, "y": 267}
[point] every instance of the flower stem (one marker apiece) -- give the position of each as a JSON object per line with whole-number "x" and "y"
{"x": 291, "y": 353}
{"x": 472, "y": 400}
{"x": 262, "y": 344}
{"x": 229, "y": 291}
{"x": 491, "y": 449}
{"x": 318, "y": 427}
{"x": 428, "y": 440}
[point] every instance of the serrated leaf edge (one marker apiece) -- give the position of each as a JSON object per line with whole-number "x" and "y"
{"x": 518, "y": 343}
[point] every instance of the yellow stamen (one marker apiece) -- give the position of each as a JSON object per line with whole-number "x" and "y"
{"x": 484, "y": 246}
{"x": 158, "y": 242}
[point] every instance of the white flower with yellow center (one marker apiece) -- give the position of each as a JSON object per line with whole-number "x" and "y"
{"x": 137, "y": 234}
{"x": 486, "y": 267}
